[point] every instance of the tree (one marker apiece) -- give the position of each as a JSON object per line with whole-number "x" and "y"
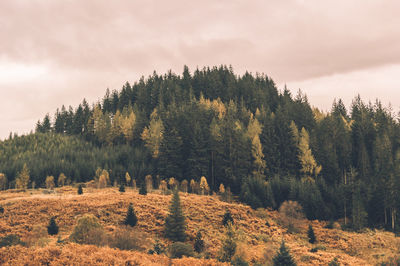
{"x": 175, "y": 222}
{"x": 291, "y": 213}
{"x": 143, "y": 189}
{"x": 61, "y": 180}
{"x": 23, "y": 178}
{"x": 50, "y": 182}
{"x": 153, "y": 134}
{"x": 122, "y": 188}
{"x": 311, "y": 235}
{"x": 88, "y": 230}
{"x": 204, "y": 185}
{"x": 229, "y": 245}
{"x": 198, "y": 243}
{"x": 149, "y": 182}
{"x": 130, "y": 218}
{"x": 283, "y": 257}
{"x": 228, "y": 219}
{"x": 80, "y": 190}
{"x": 3, "y": 181}
{"x": 127, "y": 179}
{"x": 52, "y": 228}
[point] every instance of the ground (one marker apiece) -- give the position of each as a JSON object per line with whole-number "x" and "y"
{"x": 259, "y": 231}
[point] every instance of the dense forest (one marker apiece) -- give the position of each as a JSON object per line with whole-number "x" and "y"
{"x": 267, "y": 145}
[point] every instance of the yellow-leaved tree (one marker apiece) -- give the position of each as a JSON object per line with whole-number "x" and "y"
{"x": 3, "y": 181}
{"x": 152, "y": 135}
{"x": 22, "y": 179}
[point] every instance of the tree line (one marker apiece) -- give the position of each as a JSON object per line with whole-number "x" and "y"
{"x": 266, "y": 145}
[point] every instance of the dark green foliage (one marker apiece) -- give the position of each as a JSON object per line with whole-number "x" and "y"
{"x": 227, "y": 218}
{"x": 180, "y": 249}
{"x": 283, "y": 257}
{"x": 175, "y": 225}
{"x": 158, "y": 248}
{"x": 334, "y": 262}
{"x": 52, "y": 228}
{"x": 122, "y": 188}
{"x": 198, "y": 243}
{"x": 1, "y": 209}
{"x": 10, "y": 240}
{"x": 130, "y": 218}
{"x": 311, "y": 235}
{"x": 143, "y": 189}
{"x": 80, "y": 190}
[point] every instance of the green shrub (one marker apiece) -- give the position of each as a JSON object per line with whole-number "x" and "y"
{"x": 311, "y": 234}
{"x": 80, "y": 189}
{"x": 88, "y": 231}
{"x": 143, "y": 189}
{"x": 334, "y": 262}
{"x": 1, "y": 209}
{"x": 239, "y": 261}
{"x": 122, "y": 188}
{"x": 158, "y": 248}
{"x": 52, "y": 228}
{"x": 180, "y": 249}
{"x": 130, "y": 218}
{"x": 11, "y": 240}
{"x": 198, "y": 243}
{"x": 227, "y": 218}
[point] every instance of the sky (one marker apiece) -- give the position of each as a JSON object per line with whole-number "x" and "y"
{"x": 59, "y": 52}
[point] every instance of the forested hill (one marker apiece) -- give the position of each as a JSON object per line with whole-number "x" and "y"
{"x": 239, "y": 131}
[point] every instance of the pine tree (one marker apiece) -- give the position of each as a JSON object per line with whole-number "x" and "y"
{"x": 311, "y": 235}
{"x": 175, "y": 221}
{"x": 122, "y": 188}
{"x": 283, "y": 257}
{"x": 143, "y": 189}
{"x": 80, "y": 190}
{"x": 52, "y": 228}
{"x": 131, "y": 218}
{"x": 229, "y": 245}
{"x": 227, "y": 218}
{"x": 198, "y": 243}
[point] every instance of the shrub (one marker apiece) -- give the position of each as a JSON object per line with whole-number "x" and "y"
{"x": 122, "y": 188}
{"x": 127, "y": 239}
{"x": 61, "y": 180}
{"x": 334, "y": 262}
{"x": 227, "y": 195}
{"x": 50, "y": 182}
{"x": 80, "y": 189}
{"x": 184, "y": 186}
{"x": 158, "y": 248}
{"x": 10, "y": 240}
{"x": 1, "y": 209}
{"x": 180, "y": 249}
{"x": 130, "y": 218}
{"x": 198, "y": 243}
{"x": 227, "y": 218}
{"x": 52, "y": 228}
{"x": 149, "y": 182}
{"x": 311, "y": 235}
{"x": 175, "y": 222}
{"x": 37, "y": 237}
{"x": 88, "y": 231}
{"x": 283, "y": 257}
{"x": 163, "y": 186}
{"x": 239, "y": 261}
{"x": 291, "y": 213}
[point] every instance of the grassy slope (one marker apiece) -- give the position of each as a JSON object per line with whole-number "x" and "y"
{"x": 258, "y": 241}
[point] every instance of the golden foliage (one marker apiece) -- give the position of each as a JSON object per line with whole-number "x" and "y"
{"x": 50, "y": 182}
{"x": 61, "y": 180}
{"x": 3, "y": 181}
{"x": 204, "y": 188}
{"x": 22, "y": 179}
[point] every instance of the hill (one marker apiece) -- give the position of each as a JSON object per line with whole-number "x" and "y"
{"x": 259, "y": 231}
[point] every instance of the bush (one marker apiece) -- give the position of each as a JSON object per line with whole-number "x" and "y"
{"x": 158, "y": 248}
{"x": 239, "y": 261}
{"x": 180, "y": 249}
{"x": 334, "y": 262}
{"x": 311, "y": 235}
{"x": 198, "y": 243}
{"x": 11, "y": 240}
{"x": 291, "y": 213}
{"x": 52, "y": 228}
{"x": 227, "y": 218}
{"x": 229, "y": 245}
{"x": 88, "y": 231}
{"x": 80, "y": 189}
{"x": 1, "y": 209}
{"x": 122, "y": 188}
{"x": 127, "y": 239}
{"x": 37, "y": 237}
{"x": 131, "y": 218}
{"x": 143, "y": 189}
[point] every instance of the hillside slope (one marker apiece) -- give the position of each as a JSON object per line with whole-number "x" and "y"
{"x": 258, "y": 242}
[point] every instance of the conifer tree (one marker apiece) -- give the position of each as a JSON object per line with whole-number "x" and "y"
{"x": 229, "y": 245}
{"x": 143, "y": 189}
{"x": 198, "y": 243}
{"x": 227, "y": 218}
{"x": 122, "y": 188}
{"x": 52, "y": 228}
{"x": 175, "y": 222}
{"x": 131, "y": 218}
{"x": 311, "y": 235}
{"x": 80, "y": 190}
{"x": 283, "y": 257}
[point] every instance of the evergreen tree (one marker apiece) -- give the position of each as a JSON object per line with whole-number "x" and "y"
{"x": 229, "y": 245}
{"x": 122, "y": 188}
{"x": 52, "y": 228}
{"x": 227, "y": 218}
{"x": 198, "y": 243}
{"x": 175, "y": 222}
{"x": 130, "y": 218}
{"x": 311, "y": 235}
{"x": 80, "y": 190}
{"x": 143, "y": 189}
{"x": 283, "y": 257}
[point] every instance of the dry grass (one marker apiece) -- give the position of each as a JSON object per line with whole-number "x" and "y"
{"x": 24, "y": 210}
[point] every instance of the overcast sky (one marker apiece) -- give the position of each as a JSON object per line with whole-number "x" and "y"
{"x": 59, "y": 52}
